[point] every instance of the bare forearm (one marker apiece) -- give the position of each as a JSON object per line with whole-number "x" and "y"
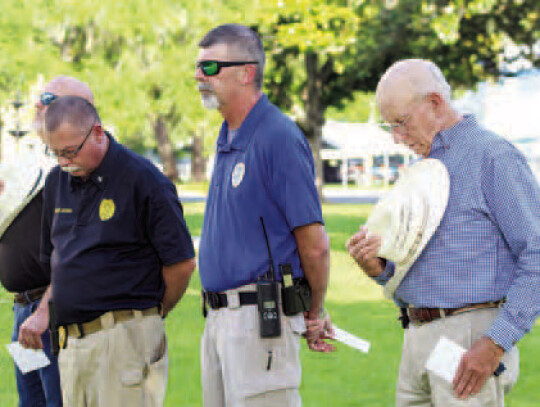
{"x": 176, "y": 278}
{"x": 316, "y": 271}
{"x": 314, "y": 252}
{"x": 44, "y": 303}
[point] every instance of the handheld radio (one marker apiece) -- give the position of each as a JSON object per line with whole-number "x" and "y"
{"x": 267, "y": 298}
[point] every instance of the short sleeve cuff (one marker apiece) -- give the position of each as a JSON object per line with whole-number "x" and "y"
{"x": 504, "y": 334}
{"x": 308, "y": 220}
{"x": 171, "y": 258}
{"x": 386, "y": 275}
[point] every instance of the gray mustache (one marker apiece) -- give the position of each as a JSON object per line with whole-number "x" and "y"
{"x": 205, "y": 87}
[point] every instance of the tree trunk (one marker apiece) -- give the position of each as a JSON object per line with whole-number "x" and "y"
{"x": 198, "y": 168}
{"x": 314, "y": 116}
{"x": 165, "y": 149}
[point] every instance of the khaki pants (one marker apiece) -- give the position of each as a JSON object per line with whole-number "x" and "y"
{"x": 124, "y": 364}
{"x": 419, "y": 388}
{"x": 240, "y": 369}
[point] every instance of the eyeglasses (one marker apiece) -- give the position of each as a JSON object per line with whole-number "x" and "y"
{"x": 397, "y": 126}
{"x": 400, "y": 125}
{"x": 211, "y": 68}
{"x": 46, "y": 98}
{"x": 69, "y": 153}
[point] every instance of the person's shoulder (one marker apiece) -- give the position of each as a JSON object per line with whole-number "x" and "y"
{"x": 141, "y": 170}
{"x": 495, "y": 146}
{"x": 277, "y": 128}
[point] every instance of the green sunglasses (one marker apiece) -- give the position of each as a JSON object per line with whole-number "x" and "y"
{"x": 211, "y": 68}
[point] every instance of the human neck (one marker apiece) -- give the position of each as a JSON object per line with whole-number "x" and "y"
{"x": 100, "y": 154}
{"x": 452, "y": 118}
{"x": 236, "y": 111}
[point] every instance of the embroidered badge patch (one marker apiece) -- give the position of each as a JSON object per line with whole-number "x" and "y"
{"x": 238, "y": 174}
{"x": 106, "y": 209}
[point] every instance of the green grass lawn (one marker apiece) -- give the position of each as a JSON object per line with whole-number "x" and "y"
{"x": 344, "y": 378}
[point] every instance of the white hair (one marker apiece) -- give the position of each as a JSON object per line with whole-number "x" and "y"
{"x": 421, "y": 76}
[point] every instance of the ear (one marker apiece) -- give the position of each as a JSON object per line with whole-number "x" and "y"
{"x": 435, "y": 100}
{"x": 100, "y": 133}
{"x": 248, "y": 74}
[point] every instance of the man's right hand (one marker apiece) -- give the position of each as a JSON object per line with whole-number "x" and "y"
{"x": 31, "y": 330}
{"x": 363, "y": 248}
{"x": 318, "y": 330}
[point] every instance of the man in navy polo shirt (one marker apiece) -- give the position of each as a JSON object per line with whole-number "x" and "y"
{"x": 119, "y": 250}
{"x": 21, "y": 271}
{"x": 263, "y": 169}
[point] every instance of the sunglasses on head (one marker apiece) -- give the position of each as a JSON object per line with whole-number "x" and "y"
{"x": 46, "y": 98}
{"x": 211, "y": 68}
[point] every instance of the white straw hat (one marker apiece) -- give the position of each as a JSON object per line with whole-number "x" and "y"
{"x": 408, "y": 215}
{"x": 22, "y": 180}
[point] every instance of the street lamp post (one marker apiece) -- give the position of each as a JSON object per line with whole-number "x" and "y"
{"x": 18, "y": 133}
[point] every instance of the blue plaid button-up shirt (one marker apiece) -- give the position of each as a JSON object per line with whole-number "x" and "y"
{"x": 487, "y": 246}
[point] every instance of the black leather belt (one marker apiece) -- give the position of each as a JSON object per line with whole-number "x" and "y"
{"x": 219, "y": 300}
{"x": 30, "y": 296}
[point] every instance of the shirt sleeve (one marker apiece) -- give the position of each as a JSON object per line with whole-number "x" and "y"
{"x": 166, "y": 227}
{"x": 513, "y": 196}
{"x": 387, "y": 273}
{"x": 294, "y": 181}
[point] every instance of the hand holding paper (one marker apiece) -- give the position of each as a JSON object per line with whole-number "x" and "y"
{"x": 27, "y": 360}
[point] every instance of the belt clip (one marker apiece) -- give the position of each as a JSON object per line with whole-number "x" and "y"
{"x": 233, "y": 300}
{"x": 203, "y": 303}
{"x": 81, "y": 330}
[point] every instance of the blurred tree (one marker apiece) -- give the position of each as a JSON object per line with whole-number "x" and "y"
{"x": 322, "y": 51}
{"x": 311, "y": 45}
{"x": 138, "y": 55}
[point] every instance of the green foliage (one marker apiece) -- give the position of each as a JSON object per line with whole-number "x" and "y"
{"x": 138, "y": 55}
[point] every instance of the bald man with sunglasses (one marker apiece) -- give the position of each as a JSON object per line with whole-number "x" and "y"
{"x": 21, "y": 272}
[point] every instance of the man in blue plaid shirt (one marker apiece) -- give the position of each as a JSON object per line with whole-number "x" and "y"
{"x": 477, "y": 281}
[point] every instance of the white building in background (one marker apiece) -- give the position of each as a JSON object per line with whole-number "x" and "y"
{"x": 365, "y": 154}
{"x": 362, "y": 153}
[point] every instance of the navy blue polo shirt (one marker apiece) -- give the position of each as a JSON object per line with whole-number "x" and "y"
{"x": 107, "y": 237}
{"x": 266, "y": 171}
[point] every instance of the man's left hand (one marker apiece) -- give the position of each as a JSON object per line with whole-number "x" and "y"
{"x": 476, "y": 365}
{"x": 318, "y": 330}
{"x": 31, "y": 330}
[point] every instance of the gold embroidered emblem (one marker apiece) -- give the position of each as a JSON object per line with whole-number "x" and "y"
{"x": 106, "y": 209}
{"x": 63, "y": 210}
{"x": 62, "y": 335}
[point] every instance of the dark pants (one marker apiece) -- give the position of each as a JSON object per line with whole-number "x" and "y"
{"x": 39, "y": 387}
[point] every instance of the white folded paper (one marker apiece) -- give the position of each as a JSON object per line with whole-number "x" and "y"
{"x": 27, "y": 359}
{"x": 444, "y": 359}
{"x": 351, "y": 340}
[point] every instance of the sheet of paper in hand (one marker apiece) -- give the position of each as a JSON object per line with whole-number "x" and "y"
{"x": 351, "y": 340}
{"x": 27, "y": 359}
{"x": 444, "y": 359}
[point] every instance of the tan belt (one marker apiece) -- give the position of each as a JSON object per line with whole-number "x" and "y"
{"x": 423, "y": 315}
{"x": 87, "y": 328}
